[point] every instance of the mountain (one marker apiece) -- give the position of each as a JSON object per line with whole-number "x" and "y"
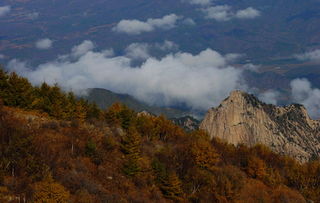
{"x": 187, "y": 122}
{"x": 243, "y": 119}
{"x": 105, "y": 98}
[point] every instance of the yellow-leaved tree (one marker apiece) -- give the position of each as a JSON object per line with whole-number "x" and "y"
{"x": 49, "y": 191}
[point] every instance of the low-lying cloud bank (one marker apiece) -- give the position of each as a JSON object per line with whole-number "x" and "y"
{"x": 4, "y": 10}
{"x": 225, "y": 13}
{"x": 135, "y": 27}
{"x": 198, "y": 81}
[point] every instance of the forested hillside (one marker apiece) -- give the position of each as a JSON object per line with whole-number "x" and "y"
{"x": 56, "y": 148}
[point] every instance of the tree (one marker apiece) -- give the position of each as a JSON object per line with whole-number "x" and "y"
{"x": 90, "y": 148}
{"x": 4, "y": 86}
{"x": 19, "y": 92}
{"x": 93, "y": 111}
{"x": 168, "y": 181}
{"x": 204, "y": 155}
{"x": 256, "y": 168}
{"x": 130, "y": 145}
{"x": 49, "y": 191}
{"x": 171, "y": 187}
{"x": 112, "y": 114}
{"x": 81, "y": 110}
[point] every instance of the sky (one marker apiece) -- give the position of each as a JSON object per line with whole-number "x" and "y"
{"x": 196, "y": 80}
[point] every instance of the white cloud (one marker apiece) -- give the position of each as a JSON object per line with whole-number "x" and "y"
{"x": 225, "y": 13}
{"x": 82, "y": 48}
{"x": 219, "y": 13}
{"x": 135, "y": 27}
{"x": 141, "y": 51}
{"x": 309, "y": 56}
{"x": 2, "y": 56}
{"x": 166, "y": 46}
{"x": 44, "y": 43}
{"x": 199, "y": 2}
{"x": 138, "y": 51}
{"x": 4, "y": 10}
{"x": 200, "y": 81}
{"x": 33, "y": 15}
{"x": 303, "y": 93}
{"x": 269, "y": 97}
{"x": 108, "y": 52}
{"x": 251, "y": 67}
{"x": 189, "y": 21}
{"x": 247, "y": 13}
{"x": 233, "y": 57}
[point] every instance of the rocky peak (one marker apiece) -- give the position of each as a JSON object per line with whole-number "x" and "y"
{"x": 242, "y": 98}
{"x": 242, "y": 118}
{"x": 187, "y": 122}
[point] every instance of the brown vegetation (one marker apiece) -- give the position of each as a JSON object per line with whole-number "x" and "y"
{"x": 116, "y": 155}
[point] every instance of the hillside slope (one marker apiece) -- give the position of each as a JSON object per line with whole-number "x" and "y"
{"x": 63, "y": 161}
{"x": 56, "y": 148}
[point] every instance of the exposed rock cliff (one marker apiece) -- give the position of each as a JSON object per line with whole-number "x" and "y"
{"x": 242, "y": 118}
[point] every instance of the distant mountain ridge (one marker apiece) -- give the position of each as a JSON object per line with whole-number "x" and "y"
{"x": 105, "y": 98}
{"x": 188, "y": 123}
{"x": 243, "y": 119}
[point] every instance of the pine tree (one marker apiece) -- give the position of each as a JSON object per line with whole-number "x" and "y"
{"x": 20, "y": 91}
{"x": 4, "y": 86}
{"x": 131, "y": 143}
{"x": 50, "y": 191}
{"x": 171, "y": 187}
{"x": 81, "y": 110}
{"x": 168, "y": 181}
{"x": 204, "y": 155}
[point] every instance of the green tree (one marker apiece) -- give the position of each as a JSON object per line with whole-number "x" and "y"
{"x": 90, "y": 148}
{"x": 20, "y": 91}
{"x": 168, "y": 182}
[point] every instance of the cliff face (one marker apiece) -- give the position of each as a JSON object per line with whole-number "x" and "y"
{"x": 242, "y": 118}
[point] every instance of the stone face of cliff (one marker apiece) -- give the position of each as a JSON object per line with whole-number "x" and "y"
{"x": 242, "y": 118}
